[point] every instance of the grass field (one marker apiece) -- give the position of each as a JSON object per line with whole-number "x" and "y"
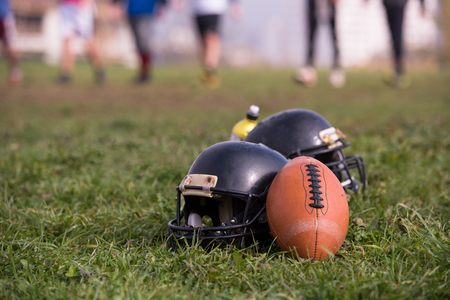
{"x": 88, "y": 177}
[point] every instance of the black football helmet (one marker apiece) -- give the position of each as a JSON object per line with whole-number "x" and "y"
{"x": 302, "y": 132}
{"x": 225, "y": 194}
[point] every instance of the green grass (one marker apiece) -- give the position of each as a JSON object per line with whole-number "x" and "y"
{"x": 88, "y": 177}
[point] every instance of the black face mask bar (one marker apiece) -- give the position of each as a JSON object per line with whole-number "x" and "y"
{"x": 227, "y": 230}
{"x": 340, "y": 167}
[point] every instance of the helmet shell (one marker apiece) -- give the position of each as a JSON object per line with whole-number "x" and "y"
{"x": 290, "y": 131}
{"x": 297, "y": 132}
{"x": 235, "y": 203}
{"x": 240, "y": 166}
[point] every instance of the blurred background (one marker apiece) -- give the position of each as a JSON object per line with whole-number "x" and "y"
{"x": 270, "y": 33}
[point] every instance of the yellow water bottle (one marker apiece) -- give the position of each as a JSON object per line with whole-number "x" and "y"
{"x": 243, "y": 127}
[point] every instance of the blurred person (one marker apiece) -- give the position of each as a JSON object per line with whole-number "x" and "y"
{"x": 208, "y": 16}
{"x": 141, "y": 15}
{"x": 395, "y": 10}
{"x": 318, "y": 10}
{"x": 6, "y": 26}
{"x": 77, "y": 20}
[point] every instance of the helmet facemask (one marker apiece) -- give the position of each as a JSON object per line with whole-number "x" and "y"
{"x": 212, "y": 214}
{"x": 331, "y": 153}
{"x": 223, "y": 196}
{"x": 346, "y": 169}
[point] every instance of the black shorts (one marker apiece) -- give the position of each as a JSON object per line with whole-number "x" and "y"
{"x": 141, "y": 27}
{"x": 3, "y": 30}
{"x": 208, "y": 23}
{"x": 395, "y": 3}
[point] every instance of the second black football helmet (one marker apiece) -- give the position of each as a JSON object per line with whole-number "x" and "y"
{"x": 225, "y": 193}
{"x": 302, "y": 132}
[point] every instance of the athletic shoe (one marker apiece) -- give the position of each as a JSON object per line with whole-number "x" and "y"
{"x": 307, "y": 76}
{"x": 15, "y": 76}
{"x": 337, "y": 78}
{"x": 100, "y": 77}
{"x": 210, "y": 79}
{"x": 400, "y": 81}
{"x": 142, "y": 79}
{"x": 64, "y": 79}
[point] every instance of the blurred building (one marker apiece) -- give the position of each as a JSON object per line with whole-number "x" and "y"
{"x": 37, "y": 32}
{"x": 270, "y": 33}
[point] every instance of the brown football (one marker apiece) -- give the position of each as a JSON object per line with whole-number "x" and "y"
{"x": 307, "y": 209}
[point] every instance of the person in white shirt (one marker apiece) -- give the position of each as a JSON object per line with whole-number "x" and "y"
{"x": 77, "y": 21}
{"x": 207, "y": 15}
